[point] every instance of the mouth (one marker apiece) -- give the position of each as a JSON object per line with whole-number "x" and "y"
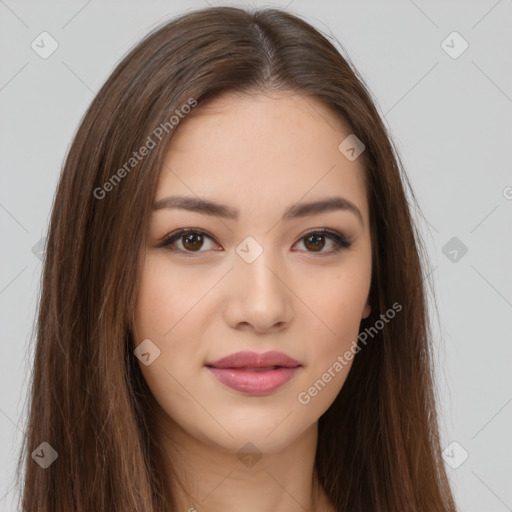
{"x": 249, "y": 369}
{"x": 254, "y": 374}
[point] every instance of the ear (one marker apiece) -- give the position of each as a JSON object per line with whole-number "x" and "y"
{"x": 367, "y": 310}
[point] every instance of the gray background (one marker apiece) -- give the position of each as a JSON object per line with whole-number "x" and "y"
{"x": 450, "y": 119}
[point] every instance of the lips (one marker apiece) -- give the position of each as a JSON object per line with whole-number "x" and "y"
{"x": 252, "y": 373}
{"x": 253, "y": 360}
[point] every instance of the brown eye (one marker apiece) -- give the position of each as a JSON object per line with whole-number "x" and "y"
{"x": 315, "y": 242}
{"x": 189, "y": 241}
{"x": 193, "y": 241}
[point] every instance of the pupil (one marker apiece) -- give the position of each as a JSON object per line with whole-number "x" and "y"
{"x": 193, "y": 241}
{"x": 316, "y": 245}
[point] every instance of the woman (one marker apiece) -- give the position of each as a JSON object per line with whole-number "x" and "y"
{"x": 233, "y": 314}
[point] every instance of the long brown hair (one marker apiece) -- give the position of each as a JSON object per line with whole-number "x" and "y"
{"x": 379, "y": 446}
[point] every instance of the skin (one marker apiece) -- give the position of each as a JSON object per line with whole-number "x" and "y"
{"x": 259, "y": 154}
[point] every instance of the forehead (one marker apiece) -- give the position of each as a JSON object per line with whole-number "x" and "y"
{"x": 265, "y": 150}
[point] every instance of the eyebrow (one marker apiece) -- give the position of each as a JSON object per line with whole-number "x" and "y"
{"x": 294, "y": 211}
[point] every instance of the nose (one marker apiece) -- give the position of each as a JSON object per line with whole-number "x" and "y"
{"x": 259, "y": 298}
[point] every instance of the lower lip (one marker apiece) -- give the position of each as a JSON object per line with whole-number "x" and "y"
{"x": 253, "y": 382}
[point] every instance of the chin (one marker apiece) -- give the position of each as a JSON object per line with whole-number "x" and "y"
{"x": 269, "y": 433}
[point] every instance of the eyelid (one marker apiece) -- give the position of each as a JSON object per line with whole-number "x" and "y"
{"x": 176, "y": 235}
{"x": 341, "y": 241}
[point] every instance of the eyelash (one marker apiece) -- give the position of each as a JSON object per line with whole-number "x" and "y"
{"x": 340, "y": 241}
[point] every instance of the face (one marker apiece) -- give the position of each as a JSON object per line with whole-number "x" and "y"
{"x": 257, "y": 271}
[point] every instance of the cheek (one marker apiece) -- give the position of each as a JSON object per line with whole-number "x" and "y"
{"x": 161, "y": 316}
{"x": 172, "y": 311}
{"x": 166, "y": 313}
{"x": 338, "y": 302}
{"x": 166, "y": 299}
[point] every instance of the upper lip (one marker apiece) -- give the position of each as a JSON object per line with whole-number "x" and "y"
{"x": 255, "y": 360}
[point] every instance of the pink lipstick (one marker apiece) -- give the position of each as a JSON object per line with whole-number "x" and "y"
{"x": 253, "y": 373}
